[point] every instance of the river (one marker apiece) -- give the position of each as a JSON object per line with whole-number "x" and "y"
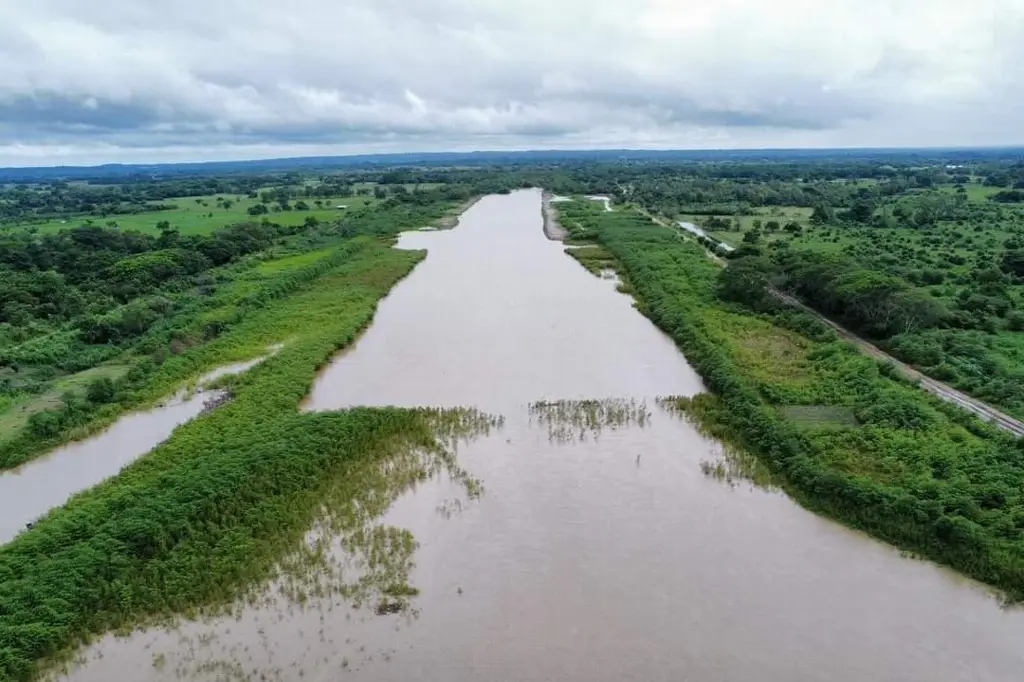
{"x": 598, "y": 549}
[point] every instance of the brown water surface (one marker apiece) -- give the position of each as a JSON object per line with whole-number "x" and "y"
{"x": 598, "y": 550}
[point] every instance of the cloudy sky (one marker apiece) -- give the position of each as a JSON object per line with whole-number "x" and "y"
{"x": 163, "y": 80}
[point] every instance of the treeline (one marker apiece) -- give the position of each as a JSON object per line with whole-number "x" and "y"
{"x": 88, "y": 270}
{"x": 915, "y": 472}
{"x": 31, "y": 202}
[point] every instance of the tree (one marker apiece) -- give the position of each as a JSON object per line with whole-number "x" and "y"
{"x": 257, "y": 209}
{"x": 301, "y": 206}
{"x": 861, "y": 212}
{"x": 101, "y": 391}
{"x": 821, "y": 214}
{"x": 745, "y": 281}
{"x": 1013, "y": 262}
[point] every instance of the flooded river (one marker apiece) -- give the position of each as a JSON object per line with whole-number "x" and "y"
{"x": 597, "y": 549}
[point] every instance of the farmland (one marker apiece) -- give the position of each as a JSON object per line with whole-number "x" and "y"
{"x": 204, "y": 214}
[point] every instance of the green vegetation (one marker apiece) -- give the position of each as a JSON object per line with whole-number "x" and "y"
{"x": 595, "y": 259}
{"x": 918, "y": 252}
{"x": 925, "y": 260}
{"x": 568, "y": 421}
{"x": 211, "y": 512}
{"x": 153, "y": 308}
{"x": 204, "y": 214}
{"x": 912, "y": 471}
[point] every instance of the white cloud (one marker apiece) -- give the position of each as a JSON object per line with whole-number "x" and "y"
{"x": 142, "y": 79}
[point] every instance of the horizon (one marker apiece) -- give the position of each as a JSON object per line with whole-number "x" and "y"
{"x": 725, "y": 151}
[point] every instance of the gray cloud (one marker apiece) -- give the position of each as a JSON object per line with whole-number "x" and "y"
{"x": 141, "y": 79}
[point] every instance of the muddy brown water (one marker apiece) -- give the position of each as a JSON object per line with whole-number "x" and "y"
{"x": 593, "y": 553}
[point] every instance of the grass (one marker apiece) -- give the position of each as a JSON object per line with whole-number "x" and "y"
{"x": 596, "y": 259}
{"x": 16, "y": 410}
{"x": 765, "y": 351}
{"x": 975, "y": 192}
{"x": 193, "y": 215}
{"x": 820, "y": 416}
{"x": 277, "y": 265}
{"x": 734, "y": 235}
{"x": 568, "y": 421}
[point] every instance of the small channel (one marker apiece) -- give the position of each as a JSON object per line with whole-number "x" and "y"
{"x": 597, "y": 548}
{"x": 30, "y": 491}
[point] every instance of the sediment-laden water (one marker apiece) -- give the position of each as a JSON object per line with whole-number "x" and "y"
{"x": 580, "y": 538}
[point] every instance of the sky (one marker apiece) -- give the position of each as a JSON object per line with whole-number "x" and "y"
{"x": 194, "y": 80}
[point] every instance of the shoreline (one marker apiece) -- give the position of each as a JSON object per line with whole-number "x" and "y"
{"x": 552, "y": 229}
{"x": 451, "y": 220}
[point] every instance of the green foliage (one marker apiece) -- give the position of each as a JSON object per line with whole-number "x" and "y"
{"x": 176, "y": 329}
{"x": 915, "y": 472}
{"x": 745, "y": 281}
{"x": 208, "y": 512}
{"x": 101, "y": 390}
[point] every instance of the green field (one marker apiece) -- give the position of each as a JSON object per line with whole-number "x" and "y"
{"x": 202, "y": 215}
{"x": 16, "y": 409}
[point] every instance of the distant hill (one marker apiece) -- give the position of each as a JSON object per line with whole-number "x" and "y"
{"x": 484, "y": 158}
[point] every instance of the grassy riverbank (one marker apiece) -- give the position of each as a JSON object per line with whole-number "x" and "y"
{"x": 186, "y": 338}
{"x": 210, "y": 513}
{"x": 847, "y": 437}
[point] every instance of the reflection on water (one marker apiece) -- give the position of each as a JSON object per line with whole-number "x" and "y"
{"x": 33, "y": 489}
{"x": 600, "y": 550}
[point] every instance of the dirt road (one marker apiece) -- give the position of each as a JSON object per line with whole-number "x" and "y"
{"x": 944, "y": 391}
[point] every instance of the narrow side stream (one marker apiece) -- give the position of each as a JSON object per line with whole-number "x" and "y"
{"x": 30, "y": 491}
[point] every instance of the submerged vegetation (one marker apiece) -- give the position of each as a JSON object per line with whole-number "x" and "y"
{"x": 569, "y": 421}
{"x": 735, "y": 460}
{"x": 905, "y": 467}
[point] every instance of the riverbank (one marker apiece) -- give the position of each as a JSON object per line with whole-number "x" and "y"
{"x": 552, "y": 229}
{"x": 451, "y": 217}
{"x": 911, "y": 470}
{"x": 208, "y": 513}
{"x": 242, "y": 480}
{"x": 194, "y": 339}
